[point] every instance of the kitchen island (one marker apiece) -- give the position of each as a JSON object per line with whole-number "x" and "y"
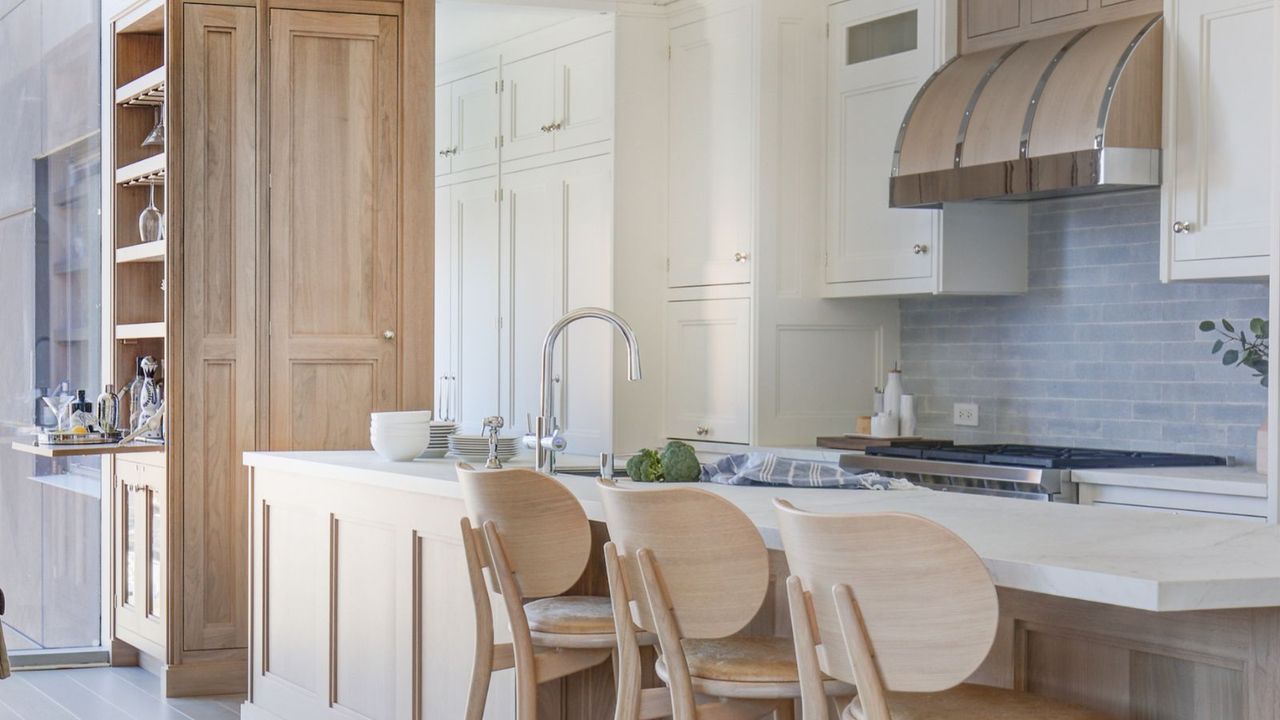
{"x": 361, "y": 605}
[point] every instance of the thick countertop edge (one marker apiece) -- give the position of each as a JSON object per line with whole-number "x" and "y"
{"x": 1234, "y": 481}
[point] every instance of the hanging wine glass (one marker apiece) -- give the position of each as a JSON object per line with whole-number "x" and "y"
{"x": 151, "y": 220}
{"x": 155, "y": 138}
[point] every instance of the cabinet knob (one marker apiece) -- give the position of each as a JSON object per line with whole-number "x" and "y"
{"x": 919, "y": 249}
{"x": 1183, "y": 228}
{"x": 546, "y": 128}
{"x": 703, "y": 430}
{"x": 389, "y": 334}
{"x": 741, "y": 257}
{"x": 557, "y": 126}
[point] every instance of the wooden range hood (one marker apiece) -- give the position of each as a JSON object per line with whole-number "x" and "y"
{"x": 1073, "y": 113}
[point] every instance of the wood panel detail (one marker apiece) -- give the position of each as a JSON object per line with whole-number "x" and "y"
{"x": 988, "y": 24}
{"x": 364, "y": 622}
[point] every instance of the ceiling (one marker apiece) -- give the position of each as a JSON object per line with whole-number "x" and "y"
{"x": 463, "y": 27}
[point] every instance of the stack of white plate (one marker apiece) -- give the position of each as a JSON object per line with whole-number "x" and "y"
{"x": 475, "y": 448}
{"x": 440, "y": 432}
{"x": 400, "y": 436}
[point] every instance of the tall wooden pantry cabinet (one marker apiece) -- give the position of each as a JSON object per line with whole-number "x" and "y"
{"x": 290, "y": 293}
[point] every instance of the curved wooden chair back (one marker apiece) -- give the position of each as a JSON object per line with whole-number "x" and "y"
{"x": 711, "y": 564}
{"x": 545, "y": 534}
{"x": 895, "y": 601}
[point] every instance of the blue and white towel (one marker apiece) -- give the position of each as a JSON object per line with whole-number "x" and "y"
{"x": 769, "y": 469}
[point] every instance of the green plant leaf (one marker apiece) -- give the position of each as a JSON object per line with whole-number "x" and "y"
{"x": 1255, "y": 326}
{"x": 1231, "y": 357}
{"x": 1226, "y": 325}
{"x": 1217, "y": 347}
{"x": 1208, "y": 326}
{"x": 1266, "y": 330}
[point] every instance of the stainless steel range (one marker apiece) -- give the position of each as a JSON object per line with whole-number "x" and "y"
{"x": 1031, "y": 472}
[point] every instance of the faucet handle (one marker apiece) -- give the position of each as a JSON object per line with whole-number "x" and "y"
{"x": 606, "y": 465}
{"x": 492, "y": 425}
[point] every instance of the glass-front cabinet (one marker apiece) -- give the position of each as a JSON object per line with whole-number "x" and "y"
{"x": 139, "y": 491}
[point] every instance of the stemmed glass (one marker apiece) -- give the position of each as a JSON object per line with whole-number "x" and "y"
{"x": 155, "y": 138}
{"x": 151, "y": 220}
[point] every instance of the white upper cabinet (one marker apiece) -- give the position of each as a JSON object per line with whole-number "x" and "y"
{"x": 444, "y": 303}
{"x": 881, "y": 51}
{"x": 711, "y": 189}
{"x": 475, "y": 312}
{"x": 558, "y": 99}
{"x": 708, "y": 370}
{"x": 467, "y": 123}
{"x": 1218, "y": 135}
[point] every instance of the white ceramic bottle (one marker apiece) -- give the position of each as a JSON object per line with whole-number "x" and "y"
{"x": 907, "y": 416}
{"x": 893, "y": 395}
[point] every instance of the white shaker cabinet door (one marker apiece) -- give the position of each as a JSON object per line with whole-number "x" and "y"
{"x": 474, "y": 226}
{"x": 584, "y": 92}
{"x": 445, "y": 329}
{"x": 708, "y": 348}
{"x": 444, "y": 129}
{"x": 475, "y": 121}
{"x": 881, "y": 52}
{"x": 528, "y": 106}
{"x": 711, "y": 195}
{"x": 1218, "y": 137}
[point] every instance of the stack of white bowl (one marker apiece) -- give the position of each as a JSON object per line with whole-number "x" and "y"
{"x": 400, "y": 436}
{"x": 440, "y": 432}
{"x": 475, "y": 448}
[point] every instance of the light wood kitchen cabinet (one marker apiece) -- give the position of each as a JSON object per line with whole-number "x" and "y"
{"x": 467, "y": 123}
{"x": 708, "y": 370}
{"x": 334, "y": 156}
{"x": 1215, "y": 215}
{"x": 558, "y": 99}
{"x": 880, "y": 52}
{"x": 554, "y": 220}
{"x": 139, "y": 501}
{"x": 989, "y": 16}
{"x": 711, "y": 189}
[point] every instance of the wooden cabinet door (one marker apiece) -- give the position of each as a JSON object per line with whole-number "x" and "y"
{"x": 474, "y": 388}
{"x": 528, "y": 106}
{"x": 219, "y": 318}
{"x": 444, "y": 129}
{"x": 475, "y": 121}
{"x": 584, "y": 92}
{"x": 140, "y": 510}
{"x": 988, "y": 16}
{"x": 335, "y": 168}
{"x": 872, "y": 84}
{"x": 711, "y": 193}
{"x": 708, "y": 370}
{"x": 1217, "y": 176}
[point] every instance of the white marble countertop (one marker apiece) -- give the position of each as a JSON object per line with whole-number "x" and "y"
{"x": 1123, "y": 557}
{"x": 1241, "y": 480}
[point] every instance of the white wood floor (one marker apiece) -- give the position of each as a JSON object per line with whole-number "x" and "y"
{"x": 103, "y": 694}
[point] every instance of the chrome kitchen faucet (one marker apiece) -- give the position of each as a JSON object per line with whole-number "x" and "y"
{"x": 547, "y": 440}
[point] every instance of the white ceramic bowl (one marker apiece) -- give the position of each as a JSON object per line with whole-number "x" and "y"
{"x": 398, "y": 449}
{"x": 402, "y": 416}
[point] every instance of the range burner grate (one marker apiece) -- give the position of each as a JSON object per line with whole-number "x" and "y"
{"x": 1041, "y": 456}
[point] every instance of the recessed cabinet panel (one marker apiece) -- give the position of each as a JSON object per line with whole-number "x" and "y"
{"x": 474, "y": 391}
{"x": 1042, "y": 10}
{"x": 444, "y": 129}
{"x": 445, "y": 327}
{"x": 1218, "y": 183}
{"x": 988, "y": 16}
{"x": 711, "y": 196}
{"x": 475, "y": 121}
{"x": 528, "y": 106}
{"x": 335, "y": 153}
{"x": 584, "y": 92}
{"x": 708, "y": 370}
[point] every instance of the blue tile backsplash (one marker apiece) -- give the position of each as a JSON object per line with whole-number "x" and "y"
{"x": 1097, "y": 353}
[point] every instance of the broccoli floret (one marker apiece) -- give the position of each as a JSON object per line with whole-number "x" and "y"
{"x": 645, "y": 466}
{"x": 680, "y": 463}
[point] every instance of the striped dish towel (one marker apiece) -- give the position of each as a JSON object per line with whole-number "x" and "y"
{"x": 769, "y": 469}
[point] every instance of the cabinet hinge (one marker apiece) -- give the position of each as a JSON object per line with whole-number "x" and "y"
{"x": 499, "y": 322}
{"x": 828, "y": 29}
{"x": 668, "y": 52}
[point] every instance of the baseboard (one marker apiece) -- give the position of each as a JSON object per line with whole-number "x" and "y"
{"x": 123, "y": 654}
{"x": 212, "y": 677}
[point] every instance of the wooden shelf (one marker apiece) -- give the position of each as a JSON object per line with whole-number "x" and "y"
{"x": 148, "y": 19}
{"x": 149, "y": 171}
{"x": 146, "y": 91}
{"x": 140, "y": 331}
{"x": 142, "y": 252}
{"x": 57, "y": 451}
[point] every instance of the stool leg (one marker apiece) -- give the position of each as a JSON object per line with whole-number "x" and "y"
{"x": 481, "y": 673}
{"x": 786, "y": 711}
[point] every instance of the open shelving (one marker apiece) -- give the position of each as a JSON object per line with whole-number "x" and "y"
{"x": 141, "y": 252}
{"x": 146, "y": 91}
{"x": 148, "y": 171}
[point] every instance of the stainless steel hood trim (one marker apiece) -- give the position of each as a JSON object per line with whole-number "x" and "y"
{"x": 911, "y": 110}
{"x": 1029, "y": 120}
{"x": 977, "y": 93}
{"x": 1104, "y": 111}
{"x": 1073, "y": 173}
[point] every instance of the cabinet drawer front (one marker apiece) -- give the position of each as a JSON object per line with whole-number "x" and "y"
{"x": 708, "y": 370}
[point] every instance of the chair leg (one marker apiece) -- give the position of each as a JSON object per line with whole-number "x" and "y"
{"x": 786, "y": 710}
{"x": 481, "y": 673}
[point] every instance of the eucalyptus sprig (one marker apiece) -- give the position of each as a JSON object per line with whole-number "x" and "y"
{"x": 1253, "y": 352}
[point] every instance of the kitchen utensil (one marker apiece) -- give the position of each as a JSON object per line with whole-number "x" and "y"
{"x": 151, "y": 220}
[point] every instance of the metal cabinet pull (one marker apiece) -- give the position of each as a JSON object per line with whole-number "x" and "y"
{"x": 703, "y": 430}
{"x": 1182, "y": 228}
{"x": 741, "y": 257}
{"x": 919, "y": 249}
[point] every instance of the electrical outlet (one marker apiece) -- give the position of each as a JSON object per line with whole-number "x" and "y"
{"x": 965, "y": 414}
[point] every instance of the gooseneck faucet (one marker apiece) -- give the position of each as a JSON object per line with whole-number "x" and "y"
{"x": 547, "y": 440}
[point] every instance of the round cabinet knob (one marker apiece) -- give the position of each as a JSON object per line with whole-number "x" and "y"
{"x": 919, "y": 249}
{"x": 703, "y": 430}
{"x": 1183, "y": 228}
{"x": 389, "y": 334}
{"x": 741, "y": 257}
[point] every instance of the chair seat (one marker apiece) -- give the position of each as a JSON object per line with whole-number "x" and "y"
{"x": 744, "y": 666}
{"x": 571, "y": 615}
{"x": 977, "y": 702}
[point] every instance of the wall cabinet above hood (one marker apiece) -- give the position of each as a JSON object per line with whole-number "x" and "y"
{"x": 1076, "y": 112}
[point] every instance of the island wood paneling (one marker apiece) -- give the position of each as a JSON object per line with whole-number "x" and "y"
{"x": 986, "y": 24}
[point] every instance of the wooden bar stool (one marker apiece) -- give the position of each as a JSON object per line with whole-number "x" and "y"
{"x": 533, "y": 536}
{"x": 689, "y": 566}
{"x": 865, "y": 593}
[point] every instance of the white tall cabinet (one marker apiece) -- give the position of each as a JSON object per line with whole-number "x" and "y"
{"x": 1218, "y": 134}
